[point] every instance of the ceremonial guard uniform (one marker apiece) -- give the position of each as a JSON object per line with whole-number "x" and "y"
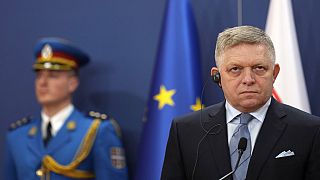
{"x": 83, "y": 147}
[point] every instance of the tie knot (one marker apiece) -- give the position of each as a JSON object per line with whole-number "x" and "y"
{"x": 245, "y": 118}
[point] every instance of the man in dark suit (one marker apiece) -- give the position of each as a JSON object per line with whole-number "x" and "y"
{"x": 62, "y": 143}
{"x": 280, "y": 141}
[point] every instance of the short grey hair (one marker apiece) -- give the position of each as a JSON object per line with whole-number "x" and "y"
{"x": 243, "y": 35}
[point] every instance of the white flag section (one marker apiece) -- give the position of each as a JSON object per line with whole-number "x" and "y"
{"x": 290, "y": 84}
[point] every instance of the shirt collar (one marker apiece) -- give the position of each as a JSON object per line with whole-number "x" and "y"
{"x": 259, "y": 114}
{"x": 58, "y": 119}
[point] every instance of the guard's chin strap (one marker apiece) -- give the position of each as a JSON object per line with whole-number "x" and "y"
{"x": 50, "y": 165}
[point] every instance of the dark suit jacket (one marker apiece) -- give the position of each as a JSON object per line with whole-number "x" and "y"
{"x": 284, "y": 128}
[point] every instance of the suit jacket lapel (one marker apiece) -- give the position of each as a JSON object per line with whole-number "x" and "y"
{"x": 218, "y": 137}
{"x": 269, "y": 134}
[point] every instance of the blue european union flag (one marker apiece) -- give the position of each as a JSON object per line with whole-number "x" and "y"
{"x": 176, "y": 86}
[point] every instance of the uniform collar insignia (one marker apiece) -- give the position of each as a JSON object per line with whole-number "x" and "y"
{"x": 33, "y": 131}
{"x": 71, "y": 125}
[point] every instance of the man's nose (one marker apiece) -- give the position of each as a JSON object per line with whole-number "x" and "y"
{"x": 248, "y": 76}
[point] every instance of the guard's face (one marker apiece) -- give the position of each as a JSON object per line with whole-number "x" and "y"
{"x": 247, "y": 76}
{"x": 54, "y": 88}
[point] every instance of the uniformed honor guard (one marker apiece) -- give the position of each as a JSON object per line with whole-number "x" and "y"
{"x": 62, "y": 143}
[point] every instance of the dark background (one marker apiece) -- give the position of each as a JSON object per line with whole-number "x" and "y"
{"x": 122, "y": 37}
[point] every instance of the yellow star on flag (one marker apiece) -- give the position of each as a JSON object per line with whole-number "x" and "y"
{"x": 197, "y": 106}
{"x": 164, "y": 97}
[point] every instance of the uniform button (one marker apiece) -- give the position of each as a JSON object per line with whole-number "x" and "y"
{"x": 39, "y": 172}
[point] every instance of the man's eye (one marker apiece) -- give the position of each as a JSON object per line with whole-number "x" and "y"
{"x": 235, "y": 69}
{"x": 259, "y": 68}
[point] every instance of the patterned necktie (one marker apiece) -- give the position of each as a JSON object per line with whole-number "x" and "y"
{"x": 241, "y": 131}
{"x": 49, "y": 134}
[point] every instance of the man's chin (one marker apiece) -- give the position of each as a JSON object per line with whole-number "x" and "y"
{"x": 45, "y": 102}
{"x": 250, "y": 105}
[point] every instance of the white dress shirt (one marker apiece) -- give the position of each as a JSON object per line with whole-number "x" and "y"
{"x": 56, "y": 121}
{"x": 254, "y": 125}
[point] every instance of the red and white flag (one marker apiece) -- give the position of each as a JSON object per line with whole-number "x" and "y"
{"x": 289, "y": 87}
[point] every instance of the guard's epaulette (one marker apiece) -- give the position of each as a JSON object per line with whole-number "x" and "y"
{"x": 20, "y": 123}
{"x": 97, "y": 115}
{"x": 102, "y": 116}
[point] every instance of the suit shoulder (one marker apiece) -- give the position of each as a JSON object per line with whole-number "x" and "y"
{"x": 299, "y": 116}
{"x": 194, "y": 117}
{"x": 20, "y": 123}
{"x": 105, "y": 120}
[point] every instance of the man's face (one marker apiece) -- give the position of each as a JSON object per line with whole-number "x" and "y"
{"x": 247, "y": 76}
{"x": 54, "y": 87}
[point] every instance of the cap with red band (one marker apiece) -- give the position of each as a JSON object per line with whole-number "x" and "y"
{"x": 58, "y": 54}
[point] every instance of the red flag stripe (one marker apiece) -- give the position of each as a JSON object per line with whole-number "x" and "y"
{"x": 275, "y": 95}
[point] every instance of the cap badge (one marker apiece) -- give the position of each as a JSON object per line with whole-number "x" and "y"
{"x": 46, "y": 52}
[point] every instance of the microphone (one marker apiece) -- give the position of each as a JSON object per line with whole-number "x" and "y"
{"x": 242, "y": 146}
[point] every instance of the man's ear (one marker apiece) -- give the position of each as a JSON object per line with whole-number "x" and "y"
{"x": 73, "y": 83}
{"x": 215, "y": 75}
{"x": 214, "y": 70}
{"x": 276, "y": 71}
